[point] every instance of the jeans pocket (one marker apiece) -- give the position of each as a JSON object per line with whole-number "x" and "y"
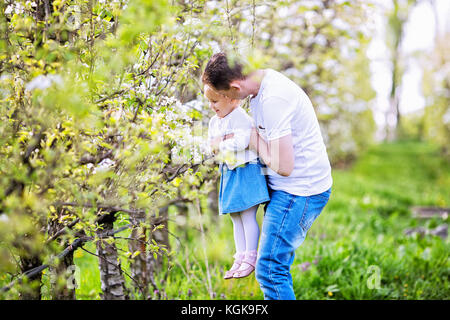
{"x": 313, "y": 208}
{"x": 307, "y": 220}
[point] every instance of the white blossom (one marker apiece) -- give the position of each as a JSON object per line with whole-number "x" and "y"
{"x": 446, "y": 117}
{"x": 31, "y": 4}
{"x": 9, "y": 9}
{"x": 43, "y": 82}
{"x": 18, "y": 9}
{"x": 104, "y": 165}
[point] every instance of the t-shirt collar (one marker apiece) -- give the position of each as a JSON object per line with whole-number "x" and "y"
{"x": 229, "y": 115}
{"x": 261, "y": 86}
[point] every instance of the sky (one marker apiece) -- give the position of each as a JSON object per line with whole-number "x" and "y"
{"x": 419, "y": 36}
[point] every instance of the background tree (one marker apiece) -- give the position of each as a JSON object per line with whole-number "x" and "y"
{"x": 436, "y": 89}
{"x": 397, "y": 17}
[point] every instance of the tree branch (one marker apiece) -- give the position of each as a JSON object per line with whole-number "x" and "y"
{"x": 77, "y": 243}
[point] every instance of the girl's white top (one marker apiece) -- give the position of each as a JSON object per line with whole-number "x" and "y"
{"x": 233, "y": 151}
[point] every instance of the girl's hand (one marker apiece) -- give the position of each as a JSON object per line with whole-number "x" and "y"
{"x": 217, "y": 140}
{"x": 214, "y": 144}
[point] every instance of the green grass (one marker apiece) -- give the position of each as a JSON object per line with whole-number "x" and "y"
{"x": 360, "y": 233}
{"x": 363, "y": 225}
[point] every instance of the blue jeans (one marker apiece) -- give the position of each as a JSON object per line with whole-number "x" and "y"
{"x": 286, "y": 221}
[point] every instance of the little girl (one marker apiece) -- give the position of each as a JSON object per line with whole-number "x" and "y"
{"x": 242, "y": 182}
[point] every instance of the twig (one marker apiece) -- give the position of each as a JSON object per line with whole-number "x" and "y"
{"x": 104, "y": 207}
{"x": 253, "y": 23}
{"x": 63, "y": 230}
{"x": 229, "y": 22}
{"x": 110, "y": 96}
{"x": 208, "y": 275}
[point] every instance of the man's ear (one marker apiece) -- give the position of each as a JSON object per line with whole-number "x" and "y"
{"x": 235, "y": 85}
{"x": 235, "y": 89}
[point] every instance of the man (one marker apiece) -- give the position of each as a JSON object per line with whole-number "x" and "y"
{"x": 288, "y": 140}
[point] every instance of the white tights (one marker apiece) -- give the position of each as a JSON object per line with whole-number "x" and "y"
{"x": 246, "y": 230}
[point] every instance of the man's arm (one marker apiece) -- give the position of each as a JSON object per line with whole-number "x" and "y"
{"x": 277, "y": 154}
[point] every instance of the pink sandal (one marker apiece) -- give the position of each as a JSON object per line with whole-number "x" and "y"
{"x": 250, "y": 259}
{"x": 236, "y": 265}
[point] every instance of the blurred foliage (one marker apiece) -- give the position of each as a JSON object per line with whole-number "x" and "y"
{"x": 320, "y": 45}
{"x": 102, "y": 107}
{"x": 436, "y": 89}
{"x": 433, "y": 122}
{"x": 90, "y": 118}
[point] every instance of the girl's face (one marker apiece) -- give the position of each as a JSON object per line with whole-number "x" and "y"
{"x": 219, "y": 103}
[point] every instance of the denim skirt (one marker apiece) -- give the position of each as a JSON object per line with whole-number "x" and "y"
{"x": 242, "y": 187}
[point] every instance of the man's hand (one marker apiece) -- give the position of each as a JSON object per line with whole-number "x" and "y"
{"x": 228, "y": 136}
{"x": 277, "y": 154}
{"x": 253, "y": 143}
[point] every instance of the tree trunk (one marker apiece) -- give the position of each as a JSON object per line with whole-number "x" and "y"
{"x": 138, "y": 265}
{"x": 31, "y": 291}
{"x": 111, "y": 276}
{"x": 65, "y": 285}
{"x": 213, "y": 201}
{"x": 392, "y": 119}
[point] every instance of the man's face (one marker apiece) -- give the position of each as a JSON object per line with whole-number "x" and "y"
{"x": 219, "y": 103}
{"x": 235, "y": 91}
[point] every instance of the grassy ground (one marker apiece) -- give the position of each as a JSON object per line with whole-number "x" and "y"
{"x": 356, "y": 249}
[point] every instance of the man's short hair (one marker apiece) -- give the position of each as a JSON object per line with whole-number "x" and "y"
{"x": 219, "y": 73}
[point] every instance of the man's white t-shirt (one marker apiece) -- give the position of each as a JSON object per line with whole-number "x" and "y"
{"x": 280, "y": 108}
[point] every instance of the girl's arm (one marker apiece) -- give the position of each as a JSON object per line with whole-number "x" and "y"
{"x": 214, "y": 144}
{"x": 237, "y": 141}
{"x": 239, "y": 138}
{"x": 277, "y": 154}
{"x": 213, "y": 138}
